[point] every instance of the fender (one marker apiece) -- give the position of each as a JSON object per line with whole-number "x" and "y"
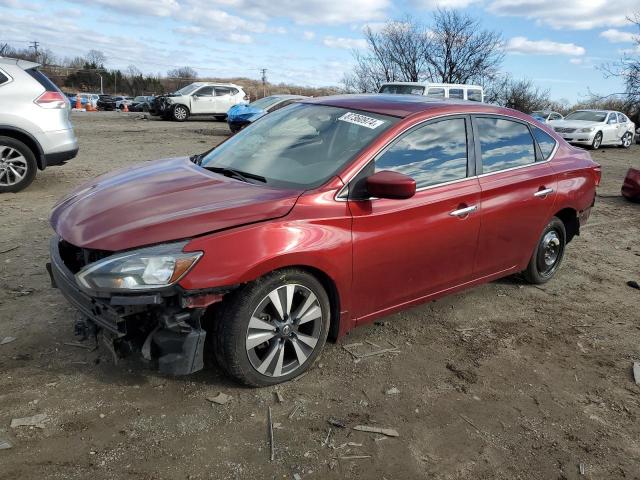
{"x": 32, "y": 143}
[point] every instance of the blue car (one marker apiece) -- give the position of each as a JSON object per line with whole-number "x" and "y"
{"x": 241, "y": 115}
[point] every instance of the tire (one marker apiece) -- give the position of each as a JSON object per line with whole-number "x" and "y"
{"x": 249, "y": 315}
{"x": 597, "y": 141}
{"x": 220, "y": 118}
{"x": 546, "y": 258}
{"x": 179, "y": 113}
{"x": 16, "y": 160}
{"x": 627, "y": 140}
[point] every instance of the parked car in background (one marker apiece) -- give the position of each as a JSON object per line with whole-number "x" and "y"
{"x": 200, "y": 98}
{"x": 457, "y": 91}
{"x": 321, "y": 216}
{"x": 241, "y": 115}
{"x": 638, "y": 136}
{"x": 631, "y": 185}
{"x": 122, "y": 101}
{"x": 594, "y": 128}
{"x": 141, "y": 103}
{"x": 35, "y": 131}
{"x": 106, "y": 102}
{"x": 545, "y": 116}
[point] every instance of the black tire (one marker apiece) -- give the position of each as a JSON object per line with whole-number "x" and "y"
{"x": 232, "y": 323}
{"x": 220, "y": 118}
{"x": 179, "y": 113}
{"x": 7, "y": 143}
{"x": 597, "y": 141}
{"x": 539, "y": 271}
{"x": 234, "y": 129}
{"x": 626, "y": 140}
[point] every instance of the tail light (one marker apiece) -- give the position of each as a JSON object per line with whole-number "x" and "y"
{"x": 597, "y": 174}
{"x": 51, "y": 100}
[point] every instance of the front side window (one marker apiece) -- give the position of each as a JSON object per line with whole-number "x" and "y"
{"x": 431, "y": 154}
{"x": 456, "y": 93}
{"x": 545, "y": 142}
{"x": 474, "y": 95}
{"x": 613, "y": 118}
{"x": 435, "y": 93}
{"x": 402, "y": 89}
{"x": 504, "y": 144}
{"x": 204, "y": 92}
{"x": 299, "y": 146}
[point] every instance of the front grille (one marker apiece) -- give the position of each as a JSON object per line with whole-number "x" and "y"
{"x": 564, "y": 130}
{"x": 76, "y": 258}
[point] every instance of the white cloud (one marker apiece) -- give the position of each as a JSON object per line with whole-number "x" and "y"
{"x": 160, "y": 8}
{"x": 433, "y": 4}
{"x": 543, "y": 47}
{"x": 618, "y": 36}
{"x": 572, "y": 14}
{"x": 348, "y": 43}
{"x": 576, "y": 61}
{"x": 308, "y": 35}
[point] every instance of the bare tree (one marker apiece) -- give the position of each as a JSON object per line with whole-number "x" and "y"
{"x": 95, "y": 59}
{"x": 186, "y": 73}
{"x": 520, "y": 95}
{"x": 460, "y": 51}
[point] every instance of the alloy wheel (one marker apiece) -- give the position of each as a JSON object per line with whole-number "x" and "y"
{"x": 626, "y": 140}
{"x": 13, "y": 166}
{"x": 284, "y": 330}
{"x": 180, "y": 113}
{"x": 597, "y": 141}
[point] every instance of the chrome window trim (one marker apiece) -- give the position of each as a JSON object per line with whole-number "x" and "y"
{"x": 340, "y": 194}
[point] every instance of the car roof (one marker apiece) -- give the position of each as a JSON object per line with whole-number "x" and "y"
{"x": 24, "y": 64}
{"x": 286, "y": 96}
{"x": 430, "y": 84}
{"x": 405, "y": 105}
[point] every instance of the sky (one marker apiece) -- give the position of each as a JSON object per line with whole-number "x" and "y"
{"x": 559, "y": 44}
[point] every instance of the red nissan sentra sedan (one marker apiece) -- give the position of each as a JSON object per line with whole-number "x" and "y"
{"x": 320, "y": 217}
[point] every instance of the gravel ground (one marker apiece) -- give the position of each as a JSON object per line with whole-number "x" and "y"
{"x": 504, "y": 381}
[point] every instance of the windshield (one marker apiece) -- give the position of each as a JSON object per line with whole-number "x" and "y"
{"x": 265, "y": 102}
{"x": 299, "y": 146}
{"x": 587, "y": 115}
{"x": 188, "y": 89}
{"x": 403, "y": 89}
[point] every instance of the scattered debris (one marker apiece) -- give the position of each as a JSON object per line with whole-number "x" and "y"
{"x": 584, "y": 325}
{"x": 302, "y": 375}
{"x": 462, "y": 330}
{"x": 633, "y": 284}
{"x": 326, "y": 440}
{"x": 470, "y": 423}
{"x": 271, "y": 442}
{"x": 220, "y": 399}
{"x": 389, "y": 432}
{"x": 279, "y": 397}
{"x": 354, "y": 457}
{"x": 636, "y": 372}
{"x": 5, "y": 444}
{"x": 11, "y": 249}
{"x": 37, "y": 421}
{"x": 6, "y": 340}
{"x": 296, "y": 476}
{"x": 372, "y": 344}
{"x": 336, "y": 423}
{"x": 293, "y": 412}
{"x": 466, "y": 375}
{"x": 354, "y": 444}
{"x": 582, "y": 468}
{"x": 392, "y": 391}
{"x": 80, "y": 345}
{"x": 352, "y": 348}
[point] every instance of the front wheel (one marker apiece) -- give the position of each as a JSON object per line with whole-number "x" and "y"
{"x": 17, "y": 165}
{"x": 547, "y": 256}
{"x": 273, "y": 329}
{"x": 180, "y": 113}
{"x": 597, "y": 141}
{"x": 626, "y": 141}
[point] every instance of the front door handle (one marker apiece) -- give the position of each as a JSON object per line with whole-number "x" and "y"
{"x": 543, "y": 193}
{"x": 462, "y": 212}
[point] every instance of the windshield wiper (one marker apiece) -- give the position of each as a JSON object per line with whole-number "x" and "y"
{"x": 240, "y": 175}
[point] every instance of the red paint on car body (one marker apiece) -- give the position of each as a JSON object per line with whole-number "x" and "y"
{"x": 631, "y": 185}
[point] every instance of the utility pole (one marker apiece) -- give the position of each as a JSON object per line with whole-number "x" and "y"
{"x": 264, "y": 82}
{"x": 35, "y": 46}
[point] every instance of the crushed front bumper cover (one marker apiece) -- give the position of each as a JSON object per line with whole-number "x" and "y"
{"x": 163, "y": 326}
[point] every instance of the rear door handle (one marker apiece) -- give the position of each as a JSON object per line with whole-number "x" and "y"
{"x": 461, "y": 212}
{"x": 543, "y": 193}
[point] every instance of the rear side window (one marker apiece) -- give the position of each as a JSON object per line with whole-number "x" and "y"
{"x": 456, "y": 93}
{"x": 222, "y": 91}
{"x": 474, "y": 95}
{"x": 3, "y": 78}
{"x": 435, "y": 93}
{"x": 504, "y": 144}
{"x": 234, "y": 91}
{"x": 432, "y": 154}
{"x": 621, "y": 118}
{"x": 42, "y": 79}
{"x": 545, "y": 142}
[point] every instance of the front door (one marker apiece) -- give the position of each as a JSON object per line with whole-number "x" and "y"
{"x": 404, "y": 250}
{"x": 518, "y": 193}
{"x": 203, "y": 101}
{"x": 610, "y": 133}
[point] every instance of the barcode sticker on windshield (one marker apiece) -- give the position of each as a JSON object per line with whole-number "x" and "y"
{"x": 361, "y": 120}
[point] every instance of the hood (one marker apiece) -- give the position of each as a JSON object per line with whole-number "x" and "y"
{"x": 162, "y": 201}
{"x": 244, "y": 112}
{"x": 574, "y": 123}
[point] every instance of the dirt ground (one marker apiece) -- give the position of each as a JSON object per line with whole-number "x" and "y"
{"x": 505, "y": 381}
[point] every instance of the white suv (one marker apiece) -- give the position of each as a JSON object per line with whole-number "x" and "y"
{"x": 35, "y": 131}
{"x": 201, "y": 98}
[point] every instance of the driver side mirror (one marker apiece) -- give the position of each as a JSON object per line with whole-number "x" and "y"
{"x": 392, "y": 185}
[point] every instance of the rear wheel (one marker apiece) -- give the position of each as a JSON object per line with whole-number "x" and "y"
{"x": 549, "y": 252}
{"x": 273, "y": 329}
{"x": 597, "y": 141}
{"x": 180, "y": 113}
{"x": 626, "y": 141}
{"x": 17, "y": 165}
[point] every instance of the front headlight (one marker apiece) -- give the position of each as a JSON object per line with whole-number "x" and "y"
{"x": 587, "y": 130}
{"x": 143, "y": 269}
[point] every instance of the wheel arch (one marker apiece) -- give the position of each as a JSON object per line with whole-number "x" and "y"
{"x": 569, "y": 217}
{"x": 28, "y": 139}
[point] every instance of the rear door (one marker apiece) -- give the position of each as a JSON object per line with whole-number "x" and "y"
{"x": 225, "y": 99}
{"x": 406, "y": 249}
{"x": 518, "y": 191}
{"x": 610, "y": 130}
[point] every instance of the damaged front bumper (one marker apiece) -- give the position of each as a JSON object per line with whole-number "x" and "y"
{"x": 164, "y": 326}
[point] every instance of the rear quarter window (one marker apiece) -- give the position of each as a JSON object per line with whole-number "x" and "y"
{"x": 3, "y": 78}
{"x": 456, "y": 93}
{"x": 545, "y": 141}
{"x": 474, "y": 95}
{"x": 42, "y": 79}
